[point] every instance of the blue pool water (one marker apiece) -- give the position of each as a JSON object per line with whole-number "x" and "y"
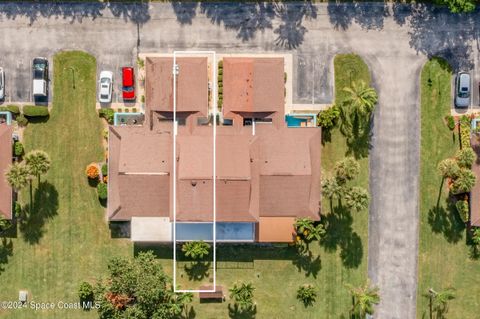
{"x": 244, "y": 232}
{"x": 297, "y": 120}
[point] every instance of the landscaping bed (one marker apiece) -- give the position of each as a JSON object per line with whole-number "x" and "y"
{"x": 443, "y": 251}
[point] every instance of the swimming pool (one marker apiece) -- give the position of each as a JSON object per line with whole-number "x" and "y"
{"x": 301, "y": 120}
{"x": 241, "y": 232}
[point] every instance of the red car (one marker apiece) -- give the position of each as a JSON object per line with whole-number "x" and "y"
{"x": 128, "y": 83}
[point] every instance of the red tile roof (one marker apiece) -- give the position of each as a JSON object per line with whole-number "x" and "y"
{"x": 5, "y": 160}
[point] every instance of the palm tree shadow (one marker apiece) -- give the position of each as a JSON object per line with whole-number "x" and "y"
{"x": 197, "y": 270}
{"x": 446, "y": 221}
{"x": 45, "y": 207}
{"x": 6, "y": 251}
{"x": 339, "y": 234}
{"x": 359, "y": 138}
{"x": 234, "y": 312}
{"x": 306, "y": 262}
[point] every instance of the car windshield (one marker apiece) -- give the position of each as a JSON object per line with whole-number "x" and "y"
{"x": 128, "y": 88}
{"x": 105, "y": 80}
{"x": 104, "y": 96}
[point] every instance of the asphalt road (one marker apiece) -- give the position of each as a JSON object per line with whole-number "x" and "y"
{"x": 394, "y": 40}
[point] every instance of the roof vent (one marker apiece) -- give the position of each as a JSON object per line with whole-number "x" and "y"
{"x": 194, "y": 183}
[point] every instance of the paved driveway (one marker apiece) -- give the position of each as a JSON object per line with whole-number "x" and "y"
{"x": 393, "y": 39}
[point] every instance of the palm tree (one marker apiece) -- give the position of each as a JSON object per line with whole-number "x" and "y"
{"x": 464, "y": 182}
{"x": 360, "y": 99}
{"x": 307, "y": 294}
{"x": 364, "y": 298}
{"x": 357, "y": 198}
{"x": 196, "y": 249}
{"x": 346, "y": 170}
{"x": 242, "y": 294}
{"x": 439, "y": 301}
{"x": 315, "y": 232}
{"x": 302, "y": 224}
{"x": 449, "y": 168}
{"x": 18, "y": 176}
{"x": 330, "y": 188}
{"x": 38, "y": 162}
{"x": 179, "y": 302}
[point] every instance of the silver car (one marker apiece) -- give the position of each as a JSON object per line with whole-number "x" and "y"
{"x": 2, "y": 84}
{"x": 462, "y": 90}
{"x": 105, "y": 87}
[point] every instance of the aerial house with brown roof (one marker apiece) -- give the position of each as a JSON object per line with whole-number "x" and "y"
{"x": 265, "y": 178}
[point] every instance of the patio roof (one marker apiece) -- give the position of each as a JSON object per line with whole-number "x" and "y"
{"x": 6, "y": 132}
{"x": 276, "y": 229}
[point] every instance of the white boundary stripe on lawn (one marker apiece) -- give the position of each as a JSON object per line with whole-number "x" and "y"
{"x": 175, "y": 70}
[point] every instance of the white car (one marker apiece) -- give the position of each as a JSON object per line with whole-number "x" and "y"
{"x": 2, "y": 84}
{"x": 105, "y": 87}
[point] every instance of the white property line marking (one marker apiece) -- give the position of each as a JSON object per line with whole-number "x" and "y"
{"x": 175, "y": 71}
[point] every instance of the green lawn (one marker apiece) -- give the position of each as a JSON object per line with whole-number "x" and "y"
{"x": 443, "y": 254}
{"x": 66, "y": 239}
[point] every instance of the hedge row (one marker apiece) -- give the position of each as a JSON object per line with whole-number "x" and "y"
{"x": 220, "y": 84}
{"x": 107, "y": 114}
{"x": 14, "y": 109}
{"x": 35, "y": 111}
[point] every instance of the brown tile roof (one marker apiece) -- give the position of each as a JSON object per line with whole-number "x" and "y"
{"x": 192, "y": 85}
{"x": 276, "y": 229}
{"x": 253, "y": 85}
{"x": 139, "y": 173}
{"x": 5, "y": 160}
{"x": 475, "y": 192}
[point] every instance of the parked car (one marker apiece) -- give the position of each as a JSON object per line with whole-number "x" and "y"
{"x": 462, "y": 90}
{"x": 2, "y": 84}
{"x": 105, "y": 87}
{"x": 128, "y": 83}
{"x": 40, "y": 77}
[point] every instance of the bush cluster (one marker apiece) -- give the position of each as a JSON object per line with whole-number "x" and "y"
{"x": 107, "y": 114}
{"x": 462, "y": 208}
{"x": 85, "y": 291}
{"x": 450, "y": 122}
{"x": 220, "y": 85}
{"x": 92, "y": 171}
{"x": 35, "y": 111}
{"x": 465, "y": 131}
{"x": 102, "y": 191}
{"x": 14, "y": 109}
{"x": 328, "y": 118}
{"x": 18, "y": 148}
{"x": 104, "y": 169}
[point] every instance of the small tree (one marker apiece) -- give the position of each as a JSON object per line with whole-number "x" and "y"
{"x": 464, "y": 182}
{"x": 465, "y": 157}
{"x": 364, "y": 299}
{"x": 242, "y": 294}
{"x": 85, "y": 291}
{"x": 357, "y": 198}
{"x": 18, "y": 176}
{"x": 38, "y": 162}
{"x": 328, "y": 118}
{"x": 360, "y": 98}
{"x": 307, "y": 294}
{"x": 449, "y": 168}
{"x": 476, "y": 237}
{"x": 462, "y": 208}
{"x": 346, "y": 170}
{"x": 18, "y": 149}
{"x": 438, "y": 301}
{"x": 102, "y": 191}
{"x": 196, "y": 249}
{"x": 92, "y": 171}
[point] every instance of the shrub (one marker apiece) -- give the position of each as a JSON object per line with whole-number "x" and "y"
{"x": 466, "y": 157}
{"x": 140, "y": 63}
{"x": 306, "y": 294}
{"x": 196, "y": 249}
{"x": 18, "y": 149}
{"x": 284, "y": 77}
{"x": 220, "y": 64}
{"x": 220, "y": 78}
{"x": 14, "y": 109}
{"x": 220, "y": 71}
{"x": 107, "y": 114}
{"x": 102, "y": 191}
{"x": 104, "y": 169}
{"x": 85, "y": 291}
{"x": 462, "y": 208}
{"x": 142, "y": 99}
{"x": 134, "y": 110}
{"x": 105, "y": 134}
{"x": 92, "y": 171}
{"x": 328, "y": 118}
{"x": 450, "y": 122}
{"x": 35, "y": 111}
{"x": 449, "y": 168}
{"x": 22, "y": 120}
